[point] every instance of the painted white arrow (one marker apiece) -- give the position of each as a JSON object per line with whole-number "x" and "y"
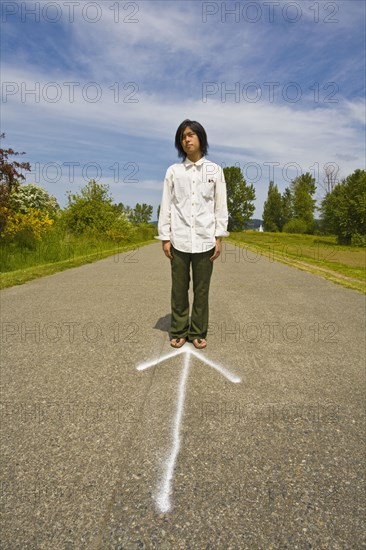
{"x": 164, "y": 491}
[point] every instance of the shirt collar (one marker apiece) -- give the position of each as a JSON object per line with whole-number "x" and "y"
{"x": 187, "y": 163}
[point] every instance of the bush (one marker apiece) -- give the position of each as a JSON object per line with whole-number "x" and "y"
{"x": 120, "y": 230}
{"x": 295, "y": 226}
{"x": 29, "y": 197}
{"x": 358, "y": 240}
{"x": 146, "y": 231}
{"x": 271, "y": 227}
{"x": 26, "y": 228}
{"x": 89, "y": 212}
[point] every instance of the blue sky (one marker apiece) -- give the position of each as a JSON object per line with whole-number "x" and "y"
{"x": 113, "y": 80}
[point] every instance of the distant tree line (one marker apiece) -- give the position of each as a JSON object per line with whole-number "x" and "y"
{"x": 28, "y": 211}
{"x": 342, "y": 210}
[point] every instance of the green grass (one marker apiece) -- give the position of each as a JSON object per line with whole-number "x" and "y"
{"x": 322, "y": 256}
{"x": 345, "y": 265}
{"x": 58, "y": 252}
{"x": 21, "y": 276}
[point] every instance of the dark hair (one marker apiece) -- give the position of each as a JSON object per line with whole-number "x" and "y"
{"x": 198, "y": 129}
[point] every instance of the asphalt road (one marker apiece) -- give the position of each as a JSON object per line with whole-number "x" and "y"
{"x": 272, "y": 462}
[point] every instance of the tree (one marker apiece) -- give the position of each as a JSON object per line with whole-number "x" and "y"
{"x": 123, "y": 211}
{"x": 302, "y": 190}
{"x": 91, "y": 210}
{"x": 9, "y": 174}
{"x": 287, "y": 211}
{"x": 141, "y": 213}
{"x": 330, "y": 177}
{"x": 344, "y": 209}
{"x": 9, "y": 179}
{"x": 239, "y": 198}
{"x": 272, "y": 211}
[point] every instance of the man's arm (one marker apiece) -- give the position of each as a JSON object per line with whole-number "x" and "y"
{"x": 221, "y": 211}
{"x": 164, "y": 226}
{"x": 164, "y": 214}
{"x": 221, "y": 214}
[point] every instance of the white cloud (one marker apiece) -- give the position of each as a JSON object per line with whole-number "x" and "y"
{"x": 168, "y": 53}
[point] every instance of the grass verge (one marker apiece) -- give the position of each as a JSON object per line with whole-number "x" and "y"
{"x": 21, "y": 276}
{"x": 344, "y": 265}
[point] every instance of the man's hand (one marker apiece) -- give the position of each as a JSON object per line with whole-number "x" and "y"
{"x": 166, "y": 249}
{"x": 217, "y": 251}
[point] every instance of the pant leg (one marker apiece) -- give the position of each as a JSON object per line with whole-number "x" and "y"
{"x": 180, "y": 267}
{"x": 202, "y": 270}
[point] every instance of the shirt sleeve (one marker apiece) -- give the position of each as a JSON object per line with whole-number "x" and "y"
{"x": 221, "y": 211}
{"x": 164, "y": 226}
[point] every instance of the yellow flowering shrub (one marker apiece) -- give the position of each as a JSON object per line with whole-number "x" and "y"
{"x": 121, "y": 229}
{"x": 36, "y": 222}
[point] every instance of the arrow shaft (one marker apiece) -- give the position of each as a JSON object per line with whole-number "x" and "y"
{"x": 163, "y": 496}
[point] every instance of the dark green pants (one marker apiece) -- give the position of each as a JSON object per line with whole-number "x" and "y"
{"x": 201, "y": 272}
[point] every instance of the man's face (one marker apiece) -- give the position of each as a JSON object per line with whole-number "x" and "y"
{"x": 190, "y": 142}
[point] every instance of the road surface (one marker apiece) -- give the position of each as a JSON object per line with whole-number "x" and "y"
{"x": 272, "y": 461}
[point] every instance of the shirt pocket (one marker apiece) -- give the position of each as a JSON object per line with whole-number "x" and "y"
{"x": 208, "y": 189}
{"x": 180, "y": 188}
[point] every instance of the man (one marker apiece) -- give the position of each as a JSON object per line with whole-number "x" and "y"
{"x": 193, "y": 218}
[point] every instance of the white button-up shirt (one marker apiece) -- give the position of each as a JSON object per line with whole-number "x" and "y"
{"x": 193, "y": 209}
